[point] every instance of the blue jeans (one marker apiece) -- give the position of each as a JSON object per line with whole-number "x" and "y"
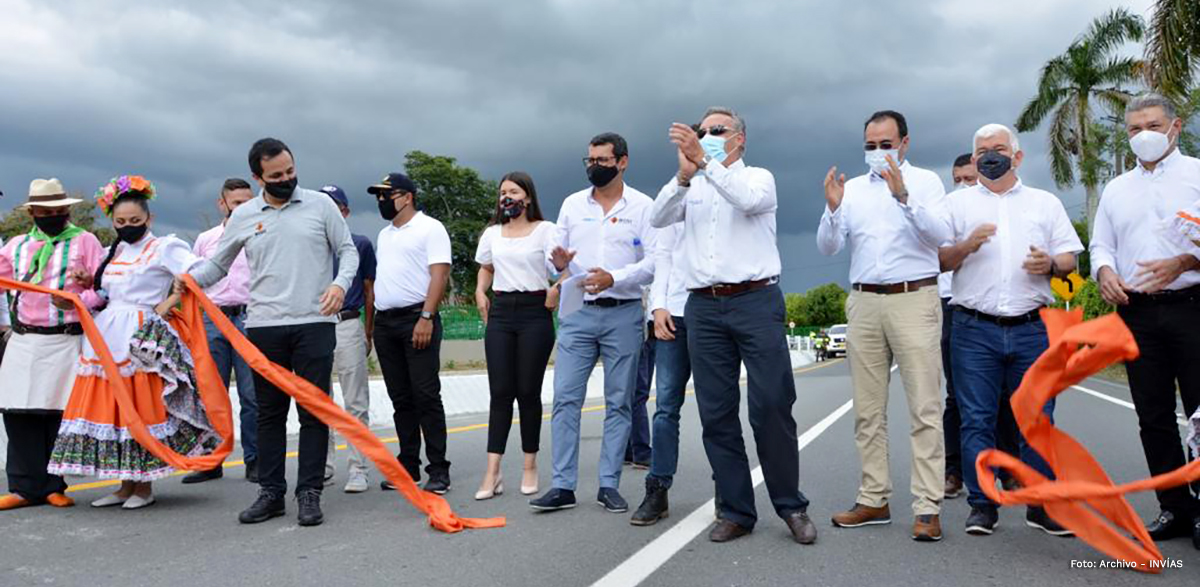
{"x": 638, "y": 450}
{"x": 674, "y": 368}
{"x": 230, "y": 363}
{"x": 614, "y": 334}
{"x": 989, "y": 362}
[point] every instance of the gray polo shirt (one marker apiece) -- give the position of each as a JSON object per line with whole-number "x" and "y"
{"x": 286, "y": 249}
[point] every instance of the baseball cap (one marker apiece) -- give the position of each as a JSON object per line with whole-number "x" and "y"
{"x": 393, "y": 181}
{"x": 336, "y": 194}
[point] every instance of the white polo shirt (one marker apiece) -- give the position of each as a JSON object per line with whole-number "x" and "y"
{"x": 403, "y": 256}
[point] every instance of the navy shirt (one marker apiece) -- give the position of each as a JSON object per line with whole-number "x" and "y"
{"x": 355, "y": 298}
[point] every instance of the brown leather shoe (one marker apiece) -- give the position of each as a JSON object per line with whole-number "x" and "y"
{"x": 954, "y": 486}
{"x": 13, "y": 501}
{"x": 724, "y": 531}
{"x": 862, "y": 515}
{"x": 59, "y": 500}
{"x": 927, "y": 528}
{"x": 802, "y": 527}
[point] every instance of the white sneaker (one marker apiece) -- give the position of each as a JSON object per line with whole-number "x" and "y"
{"x": 357, "y": 482}
{"x": 109, "y": 501}
{"x": 138, "y": 502}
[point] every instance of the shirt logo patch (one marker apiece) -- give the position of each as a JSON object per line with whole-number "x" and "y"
{"x": 616, "y": 220}
{"x": 258, "y": 228}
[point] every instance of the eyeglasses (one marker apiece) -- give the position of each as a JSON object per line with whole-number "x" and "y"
{"x": 607, "y": 161}
{"x": 885, "y": 145}
{"x": 389, "y": 194}
{"x": 715, "y": 130}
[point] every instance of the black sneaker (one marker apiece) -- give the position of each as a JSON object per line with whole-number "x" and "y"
{"x": 202, "y": 476}
{"x": 309, "y": 503}
{"x": 612, "y": 501}
{"x": 654, "y": 507}
{"x": 387, "y": 485}
{"x": 267, "y": 506}
{"x": 555, "y": 499}
{"x": 1036, "y": 517}
{"x": 252, "y": 471}
{"x": 982, "y": 521}
{"x": 1168, "y": 526}
{"x": 439, "y": 484}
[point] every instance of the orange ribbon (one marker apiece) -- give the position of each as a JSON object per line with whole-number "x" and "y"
{"x": 1082, "y": 498}
{"x": 189, "y": 323}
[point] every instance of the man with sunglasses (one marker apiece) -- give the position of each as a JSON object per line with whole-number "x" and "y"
{"x": 893, "y": 218}
{"x": 604, "y": 231}
{"x": 735, "y": 315}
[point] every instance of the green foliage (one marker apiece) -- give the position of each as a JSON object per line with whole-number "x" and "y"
{"x": 463, "y": 202}
{"x": 1084, "y": 258}
{"x": 1089, "y": 299}
{"x": 85, "y": 215}
{"x": 824, "y": 305}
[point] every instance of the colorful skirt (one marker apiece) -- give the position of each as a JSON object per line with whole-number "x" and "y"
{"x": 94, "y": 438}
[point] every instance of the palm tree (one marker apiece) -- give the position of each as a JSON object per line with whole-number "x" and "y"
{"x": 1088, "y": 71}
{"x": 1173, "y": 50}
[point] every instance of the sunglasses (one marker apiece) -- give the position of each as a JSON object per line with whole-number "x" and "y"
{"x": 716, "y": 130}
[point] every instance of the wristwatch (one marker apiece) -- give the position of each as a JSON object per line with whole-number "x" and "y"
{"x": 426, "y": 315}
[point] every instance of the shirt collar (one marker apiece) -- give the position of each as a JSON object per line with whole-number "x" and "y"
{"x": 411, "y": 221}
{"x": 1014, "y": 189}
{"x": 295, "y": 199}
{"x": 1166, "y": 162}
{"x": 591, "y": 196}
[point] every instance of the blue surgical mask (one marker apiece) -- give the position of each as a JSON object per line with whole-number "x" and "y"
{"x": 714, "y": 147}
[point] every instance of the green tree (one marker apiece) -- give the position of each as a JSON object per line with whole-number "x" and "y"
{"x": 1069, "y": 84}
{"x": 1173, "y": 49}
{"x": 823, "y": 305}
{"x": 85, "y": 215}
{"x": 1084, "y": 258}
{"x": 794, "y": 304}
{"x": 462, "y": 201}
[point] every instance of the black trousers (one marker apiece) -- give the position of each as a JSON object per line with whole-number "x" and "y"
{"x": 723, "y": 333}
{"x": 413, "y": 384}
{"x": 518, "y": 342}
{"x": 307, "y": 351}
{"x": 1168, "y": 336}
{"x": 31, "y": 438}
{"x": 1006, "y": 423}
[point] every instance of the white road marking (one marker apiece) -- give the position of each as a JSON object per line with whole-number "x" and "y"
{"x": 644, "y": 562}
{"x": 1120, "y": 402}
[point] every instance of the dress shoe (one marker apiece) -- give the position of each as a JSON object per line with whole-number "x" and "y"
{"x": 927, "y": 528}
{"x": 803, "y": 529}
{"x": 438, "y": 484}
{"x": 529, "y": 489}
{"x": 555, "y": 499}
{"x": 13, "y": 501}
{"x": 954, "y": 486}
{"x": 109, "y": 501}
{"x": 137, "y": 502}
{"x": 982, "y": 521}
{"x": 863, "y": 515}
{"x": 654, "y": 507}
{"x": 1036, "y": 517}
{"x": 1168, "y": 526}
{"x": 202, "y": 476}
{"x": 309, "y": 506}
{"x": 267, "y": 506}
{"x": 725, "y": 530}
{"x": 612, "y": 501}
{"x": 59, "y": 500}
{"x": 497, "y": 488}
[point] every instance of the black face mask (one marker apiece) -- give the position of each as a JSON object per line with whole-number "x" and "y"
{"x": 52, "y": 225}
{"x": 601, "y": 175}
{"x": 510, "y": 208}
{"x": 388, "y": 210}
{"x": 131, "y": 234}
{"x": 993, "y": 165}
{"x": 282, "y": 190}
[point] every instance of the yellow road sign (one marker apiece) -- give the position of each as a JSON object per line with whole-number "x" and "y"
{"x": 1067, "y": 288}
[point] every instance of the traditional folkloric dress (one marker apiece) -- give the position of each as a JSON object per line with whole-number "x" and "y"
{"x": 39, "y": 361}
{"x": 157, "y": 367}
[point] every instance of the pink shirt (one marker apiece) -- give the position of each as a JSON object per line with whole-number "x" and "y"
{"x": 234, "y": 289}
{"x": 82, "y": 252}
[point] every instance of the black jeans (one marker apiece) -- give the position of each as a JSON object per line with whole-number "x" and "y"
{"x": 1168, "y": 336}
{"x": 723, "y": 333}
{"x": 412, "y": 381}
{"x": 307, "y": 351}
{"x": 1006, "y": 424}
{"x": 518, "y": 343}
{"x": 31, "y": 438}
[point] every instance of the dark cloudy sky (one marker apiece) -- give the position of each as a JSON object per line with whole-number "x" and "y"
{"x": 178, "y": 91}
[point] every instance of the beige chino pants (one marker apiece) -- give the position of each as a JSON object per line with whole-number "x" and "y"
{"x": 907, "y": 328}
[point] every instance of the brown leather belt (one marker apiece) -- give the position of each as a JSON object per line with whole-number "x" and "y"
{"x": 894, "y": 288}
{"x": 722, "y": 290}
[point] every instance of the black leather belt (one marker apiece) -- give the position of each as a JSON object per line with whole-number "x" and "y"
{"x": 1177, "y": 296}
{"x": 398, "y": 312}
{"x": 894, "y": 288}
{"x": 610, "y": 302}
{"x": 233, "y": 311}
{"x": 1033, "y": 316}
{"x": 722, "y": 290}
{"x": 345, "y": 315}
{"x": 74, "y": 329}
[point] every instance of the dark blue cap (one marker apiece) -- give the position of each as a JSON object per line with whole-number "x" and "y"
{"x": 337, "y": 194}
{"x": 393, "y": 182}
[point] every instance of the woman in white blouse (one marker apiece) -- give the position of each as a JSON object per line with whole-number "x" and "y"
{"x": 513, "y": 258}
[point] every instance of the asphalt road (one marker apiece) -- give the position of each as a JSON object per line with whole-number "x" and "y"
{"x": 191, "y": 536}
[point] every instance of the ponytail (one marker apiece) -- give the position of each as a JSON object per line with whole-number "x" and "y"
{"x": 99, "y": 277}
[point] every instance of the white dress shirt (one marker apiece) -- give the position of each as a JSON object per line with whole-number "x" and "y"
{"x": 619, "y": 241}
{"x": 890, "y": 242}
{"x": 668, "y": 291}
{"x": 991, "y": 280}
{"x": 402, "y": 261}
{"x": 519, "y": 263}
{"x": 728, "y": 215}
{"x": 1135, "y": 208}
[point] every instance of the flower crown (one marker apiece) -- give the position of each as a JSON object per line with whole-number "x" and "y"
{"x": 120, "y": 186}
